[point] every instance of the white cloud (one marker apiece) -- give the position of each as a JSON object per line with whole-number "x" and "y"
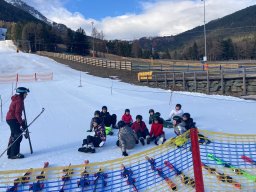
{"x": 158, "y": 18}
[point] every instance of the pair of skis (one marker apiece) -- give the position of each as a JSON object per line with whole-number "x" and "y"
{"x": 161, "y": 174}
{"x": 184, "y": 179}
{"x": 127, "y": 174}
{"x": 35, "y": 187}
{"x": 84, "y": 181}
{"x": 236, "y": 170}
{"x": 221, "y": 176}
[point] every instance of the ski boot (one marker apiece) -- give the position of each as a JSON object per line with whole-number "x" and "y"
{"x": 142, "y": 141}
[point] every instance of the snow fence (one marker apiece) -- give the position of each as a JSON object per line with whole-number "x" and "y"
{"x": 228, "y": 164}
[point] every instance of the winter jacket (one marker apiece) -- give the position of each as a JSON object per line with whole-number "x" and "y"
{"x": 141, "y": 126}
{"x": 176, "y": 113}
{"x": 127, "y": 118}
{"x": 16, "y": 108}
{"x": 127, "y": 138}
{"x": 156, "y": 130}
{"x": 100, "y": 132}
{"x": 106, "y": 117}
{"x": 151, "y": 119}
{"x": 180, "y": 128}
{"x": 189, "y": 124}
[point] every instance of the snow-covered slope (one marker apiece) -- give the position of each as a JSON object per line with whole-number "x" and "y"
{"x": 59, "y": 132}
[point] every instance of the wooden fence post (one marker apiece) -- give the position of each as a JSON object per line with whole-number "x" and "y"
{"x": 222, "y": 81}
{"x": 173, "y": 80}
{"x": 244, "y": 81}
{"x": 208, "y": 82}
{"x": 195, "y": 83}
{"x": 184, "y": 82}
{"x": 165, "y": 80}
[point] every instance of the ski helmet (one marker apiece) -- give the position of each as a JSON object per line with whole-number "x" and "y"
{"x": 156, "y": 118}
{"x": 139, "y": 117}
{"x": 104, "y": 107}
{"x": 177, "y": 119}
{"x": 187, "y": 115}
{"x": 22, "y": 90}
{"x": 97, "y": 113}
{"x": 151, "y": 111}
{"x": 127, "y": 111}
{"x": 96, "y": 120}
{"x": 158, "y": 114}
{"x": 121, "y": 124}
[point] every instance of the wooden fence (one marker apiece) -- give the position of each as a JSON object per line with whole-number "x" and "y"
{"x": 182, "y": 78}
{"x": 156, "y": 66}
{"x": 120, "y": 65}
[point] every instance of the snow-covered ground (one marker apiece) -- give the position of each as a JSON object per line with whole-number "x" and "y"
{"x": 59, "y": 132}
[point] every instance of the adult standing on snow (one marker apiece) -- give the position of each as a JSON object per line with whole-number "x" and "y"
{"x": 17, "y": 125}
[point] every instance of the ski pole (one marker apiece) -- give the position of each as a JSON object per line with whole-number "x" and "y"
{"x": 27, "y": 135}
{"x": 22, "y": 132}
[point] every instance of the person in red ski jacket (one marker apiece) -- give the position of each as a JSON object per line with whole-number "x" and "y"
{"x": 141, "y": 130}
{"x": 156, "y": 133}
{"x": 16, "y": 123}
{"x": 127, "y": 118}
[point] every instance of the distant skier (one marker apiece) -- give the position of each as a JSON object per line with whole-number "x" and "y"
{"x": 17, "y": 125}
{"x": 176, "y": 112}
{"x": 127, "y": 118}
{"x": 126, "y": 137}
{"x": 151, "y": 116}
{"x": 156, "y": 133}
{"x": 141, "y": 130}
{"x": 98, "y": 140}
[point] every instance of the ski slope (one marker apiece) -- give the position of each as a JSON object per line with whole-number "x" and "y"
{"x": 59, "y": 132}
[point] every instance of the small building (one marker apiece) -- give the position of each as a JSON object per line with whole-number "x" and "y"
{"x": 3, "y": 34}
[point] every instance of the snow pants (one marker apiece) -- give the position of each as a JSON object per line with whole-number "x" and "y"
{"x": 15, "y": 133}
{"x": 95, "y": 141}
{"x": 143, "y": 134}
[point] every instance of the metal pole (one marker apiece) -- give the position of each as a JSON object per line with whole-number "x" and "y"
{"x": 92, "y": 40}
{"x": 205, "y": 49}
{"x": 80, "y": 80}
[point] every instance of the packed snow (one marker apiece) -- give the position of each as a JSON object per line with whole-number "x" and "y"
{"x": 59, "y": 132}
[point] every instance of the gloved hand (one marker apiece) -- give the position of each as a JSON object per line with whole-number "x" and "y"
{"x": 26, "y": 135}
{"x": 125, "y": 154}
{"x": 23, "y": 125}
{"x": 102, "y": 143}
{"x": 137, "y": 141}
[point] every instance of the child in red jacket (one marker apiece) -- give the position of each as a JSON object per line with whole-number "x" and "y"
{"x": 141, "y": 130}
{"x": 156, "y": 133}
{"x": 127, "y": 118}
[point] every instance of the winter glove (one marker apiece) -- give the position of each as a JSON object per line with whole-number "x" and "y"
{"x": 125, "y": 154}
{"x": 102, "y": 143}
{"x": 26, "y": 135}
{"x": 137, "y": 141}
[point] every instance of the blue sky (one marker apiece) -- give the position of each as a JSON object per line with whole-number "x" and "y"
{"x": 133, "y": 19}
{"x": 99, "y": 9}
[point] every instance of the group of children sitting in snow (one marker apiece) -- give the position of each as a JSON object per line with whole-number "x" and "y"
{"x": 132, "y": 132}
